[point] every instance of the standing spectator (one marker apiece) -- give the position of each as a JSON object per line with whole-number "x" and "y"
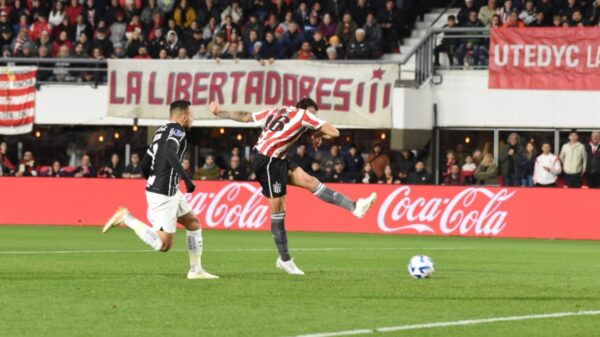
{"x": 528, "y": 14}
{"x": 510, "y": 159}
{"x": 184, "y": 14}
{"x": 187, "y": 167}
{"x": 373, "y": 34}
{"x": 85, "y": 170}
{"x": 485, "y": 13}
{"x": 506, "y": 11}
{"x": 367, "y": 176}
{"x": 359, "y": 48}
{"x": 593, "y": 161}
{"x": 487, "y": 172}
{"x": 468, "y": 170}
{"x": 173, "y": 44}
{"x": 345, "y": 29}
{"x": 473, "y": 46}
{"x": 450, "y": 161}
{"x": 79, "y": 27}
{"x": 391, "y": 26}
{"x": 317, "y": 172}
{"x": 102, "y": 42}
{"x": 319, "y": 45}
{"x": 354, "y": 162}
{"x": 547, "y": 168}
{"x": 5, "y": 162}
{"x": 293, "y": 39}
{"x": 420, "y": 176}
{"x": 27, "y": 166}
{"x": 528, "y": 165}
{"x": 133, "y": 170}
{"x": 302, "y": 158}
{"x": 388, "y": 177}
{"x": 235, "y": 171}
{"x": 57, "y": 14}
{"x": 574, "y": 161}
{"x": 378, "y": 160}
{"x": 454, "y": 178}
{"x": 209, "y": 171}
{"x": 448, "y": 45}
{"x": 405, "y": 164}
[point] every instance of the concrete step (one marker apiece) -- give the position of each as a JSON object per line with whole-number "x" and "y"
{"x": 411, "y": 41}
{"x": 418, "y": 33}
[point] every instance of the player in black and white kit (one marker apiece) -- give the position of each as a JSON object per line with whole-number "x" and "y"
{"x": 166, "y": 204}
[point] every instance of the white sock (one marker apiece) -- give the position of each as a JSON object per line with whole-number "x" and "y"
{"x": 194, "y": 243}
{"x": 146, "y": 233}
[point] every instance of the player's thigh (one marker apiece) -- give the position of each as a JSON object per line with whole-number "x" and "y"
{"x": 162, "y": 212}
{"x": 276, "y": 205}
{"x": 297, "y": 177}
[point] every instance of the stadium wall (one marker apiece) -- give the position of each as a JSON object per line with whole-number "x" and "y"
{"x": 399, "y": 209}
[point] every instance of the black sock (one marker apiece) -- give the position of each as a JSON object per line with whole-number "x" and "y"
{"x": 279, "y": 235}
{"x": 328, "y": 195}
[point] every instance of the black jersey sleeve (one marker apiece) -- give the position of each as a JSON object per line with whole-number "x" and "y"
{"x": 146, "y": 164}
{"x": 173, "y": 160}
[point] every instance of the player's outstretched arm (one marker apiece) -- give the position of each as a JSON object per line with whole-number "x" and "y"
{"x": 328, "y": 131}
{"x": 240, "y": 116}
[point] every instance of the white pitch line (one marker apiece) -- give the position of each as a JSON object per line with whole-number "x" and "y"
{"x": 452, "y": 323}
{"x": 233, "y": 250}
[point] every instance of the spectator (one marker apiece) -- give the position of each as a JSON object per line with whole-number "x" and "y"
{"x": 209, "y": 171}
{"x": 55, "y": 170}
{"x": 450, "y": 160}
{"x": 302, "y": 158}
{"x": 463, "y": 14}
{"x": 305, "y": 53}
{"x": 547, "y": 7}
{"x": 195, "y": 43}
{"x": 293, "y": 39}
{"x": 378, "y": 160}
{"x": 330, "y": 158}
{"x": 388, "y": 177}
{"x": 234, "y": 11}
{"x": 334, "y": 42}
{"x": 391, "y": 26}
{"x": 166, "y": 5}
{"x": 345, "y": 29}
{"x": 373, "y": 34}
{"x": 547, "y": 168}
{"x": 149, "y": 11}
{"x": 593, "y": 161}
{"x": 506, "y": 11}
{"x": 576, "y": 19}
{"x": 102, "y": 42}
{"x": 485, "y": 13}
{"x": 79, "y": 27}
{"x": 319, "y": 45}
{"x": 420, "y": 176}
{"x": 487, "y": 172}
{"x": 270, "y": 49}
{"x": 327, "y": 27}
{"x": 27, "y": 167}
{"x": 540, "y": 21}
{"x": 359, "y": 48}
{"x": 473, "y": 46}
{"x": 468, "y": 170}
{"x": 528, "y": 165}
{"x": 311, "y": 26}
{"x": 39, "y": 26}
{"x": 455, "y": 178}
{"x": 528, "y": 14}
{"x": 359, "y": 11}
{"x": 405, "y": 164}
{"x": 173, "y": 44}
{"x": 235, "y": 172}
{"x": 184, "y": 14}
{"x": 57, "y": 14}
{"x": 85, "y": 170}
{"x": 332, "y": 54}
{"x": 448, "y": 45}
{"x": 339, "y": 175}
{"x": 593, "y": 13}
{"x": 574, "y": 161}
{"x": 317, "y": 172}
{"x": 367, "y": 175}
{"x": 513, "y": 21}
{"x": 510, "y": 157}
{"x": 7, "y": 167}
{"x": 187, "y": 167}
{"x": 354, "y": 162}
{"x": 114, "y": 169}
{"x": 133, "y": 170}
{"x": 233, "y": 52}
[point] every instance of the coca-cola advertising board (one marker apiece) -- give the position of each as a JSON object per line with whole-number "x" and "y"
{"x": 399, "y": 209}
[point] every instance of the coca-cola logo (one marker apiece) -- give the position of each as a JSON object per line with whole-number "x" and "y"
{"x": 236, "y": 204}
{"x": 475, "y": 211}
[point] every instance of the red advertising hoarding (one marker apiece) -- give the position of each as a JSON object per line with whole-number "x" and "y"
{"x": 399, "y": 209}
{"x": 545, "y": 58}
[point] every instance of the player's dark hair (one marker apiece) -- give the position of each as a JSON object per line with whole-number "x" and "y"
{"x": 177, "y": 106}
{"x": 306, "y": 103}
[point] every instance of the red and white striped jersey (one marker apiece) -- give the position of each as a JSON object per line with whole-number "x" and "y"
{"x": 282, "y": 126}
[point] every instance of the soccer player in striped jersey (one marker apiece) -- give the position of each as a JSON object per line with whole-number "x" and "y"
{"x": 166, "y": 204}
{"x": 281, "y": 127}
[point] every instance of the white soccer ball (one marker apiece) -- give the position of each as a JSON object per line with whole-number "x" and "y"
{"x": 420, "y": 266}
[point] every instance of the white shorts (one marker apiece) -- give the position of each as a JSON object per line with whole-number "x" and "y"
{"x": 163, "y": 210}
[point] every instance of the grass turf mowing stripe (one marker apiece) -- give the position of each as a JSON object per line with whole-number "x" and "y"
{"x": 454, "y": 323}
{"x": 233, "y": 250}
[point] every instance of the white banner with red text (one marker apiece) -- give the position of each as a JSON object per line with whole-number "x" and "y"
{"x": 17, "y": 100}
{"x": 348, "y": 94}
{"x": 399, "y": 209}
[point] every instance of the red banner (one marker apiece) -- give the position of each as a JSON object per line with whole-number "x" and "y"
{"x": 429, "y": 210}
{"x": 545, "y": 58}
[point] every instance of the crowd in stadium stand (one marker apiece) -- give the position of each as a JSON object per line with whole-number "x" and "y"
{"x": 519, "y": 164}
{"x": 203, "y": 29}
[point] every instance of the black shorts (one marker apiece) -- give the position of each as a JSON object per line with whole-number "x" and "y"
{"x": 272, "y": 174}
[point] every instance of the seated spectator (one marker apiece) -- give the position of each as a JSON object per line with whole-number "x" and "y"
{"x": 327, "y": 27}
{"x": 293, "y": 40}
{"x": 576, "y": 19}
{"x": 539, "y": 21}
{"x": 318, "y": 45}
{"x": 133, "y": 170}
{"x": 388, "y": 176}
{"x": 528, "y": 14}
{"x": 302, "y": 158}
{"x": 316, "y": 171}
{"x": 448, "y": 45}
{"x": 463, "y": 14}
{"x": 454, "y": 178}
{"x": 468, "y": 170}
{"x": 27, "y": 167}
{"x": 367, "y": 175}
{"x": 305, "y": 53}
{"x": 339, "y": 175}
{"x": 487, "y": 172}
{"x": 233, "y": 52}
{"x": 513, "y": 21}
{"x": 187, "y": 167}
{"x": 114, "y": 169}
{"x": 270, "y": 49}
{"x": 420, "y": 176}
{"x": 55, "y": 170}
{"x": 496, "y": 22}
{"x": 173, "y": 44}
{"x": 209, "y": 171}
{"x": 378, "y": 160}
{"x": 528, "y": 165}
{"x": 547, "y": 168}
{"x": 85, "y": 170}
{"x": 354, "y": 162}
{"x": 235, "y": 171}
{"x": 359, "y": 48}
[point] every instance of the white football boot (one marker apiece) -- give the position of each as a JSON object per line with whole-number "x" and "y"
{"x": 116, "y": 219}
{"x": 363, "y": 205}
{"x": 200, "y": 275}
{"x": 288, "y": 267}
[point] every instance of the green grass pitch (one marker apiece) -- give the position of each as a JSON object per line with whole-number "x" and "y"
{"x": 117, "y": 287}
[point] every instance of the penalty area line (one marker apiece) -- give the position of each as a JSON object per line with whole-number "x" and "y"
{"x": 452, "y": 323}
{"x": 232, "y": 250}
